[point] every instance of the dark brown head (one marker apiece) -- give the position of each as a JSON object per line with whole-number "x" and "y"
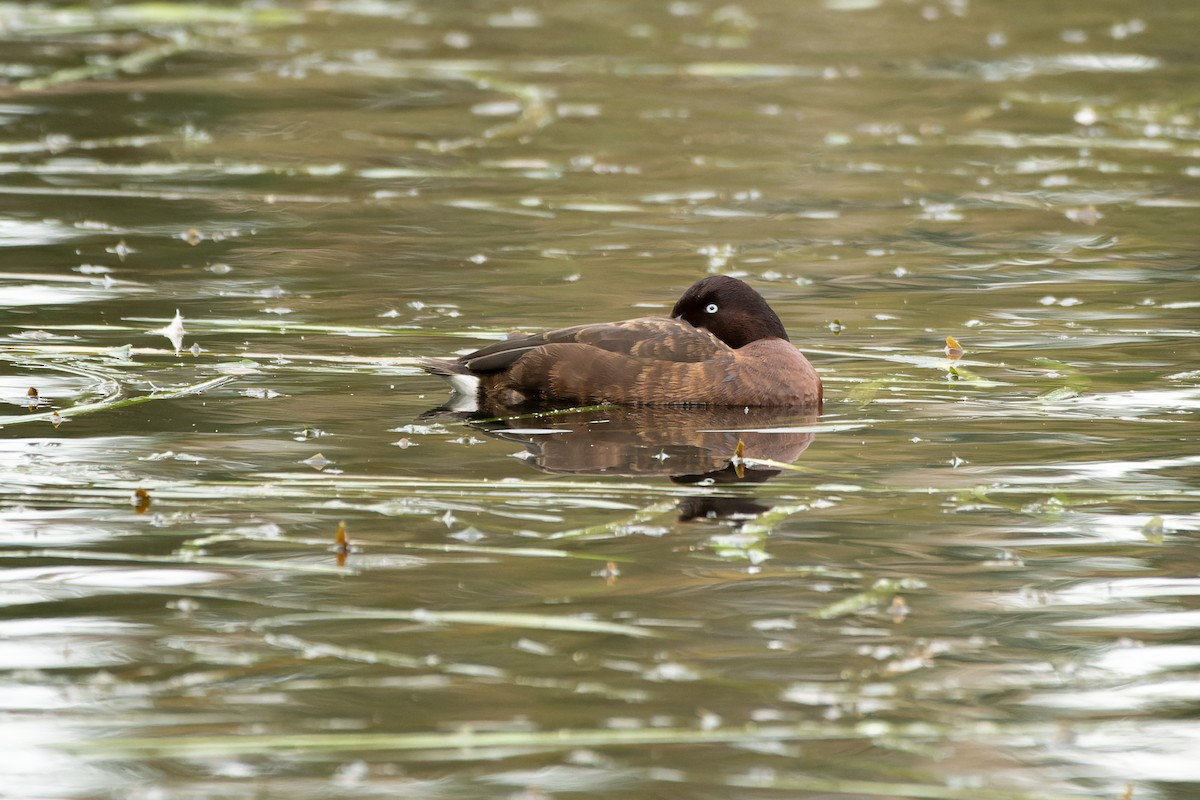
{"x": 730, "y": 310}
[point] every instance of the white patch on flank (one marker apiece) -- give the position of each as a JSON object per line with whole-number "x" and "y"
{"x": 466, "y": 393}
{"x": 464, "y": 384}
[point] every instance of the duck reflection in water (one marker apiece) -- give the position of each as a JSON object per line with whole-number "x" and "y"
{"x": 697, "y": 446}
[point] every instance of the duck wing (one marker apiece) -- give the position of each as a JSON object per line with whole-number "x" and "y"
{"x": 651, "y": 338}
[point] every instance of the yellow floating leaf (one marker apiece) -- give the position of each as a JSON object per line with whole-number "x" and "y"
{"x": 141, "y": 501}
{"x": 341, "y": 544}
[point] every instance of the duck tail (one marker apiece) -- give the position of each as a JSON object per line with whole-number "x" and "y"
{"x": 462, "y": 382}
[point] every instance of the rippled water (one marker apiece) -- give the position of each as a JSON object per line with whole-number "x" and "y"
{"x": 970, "y": 578}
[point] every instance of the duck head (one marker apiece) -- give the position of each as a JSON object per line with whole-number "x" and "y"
{"x": 729, "y": 309}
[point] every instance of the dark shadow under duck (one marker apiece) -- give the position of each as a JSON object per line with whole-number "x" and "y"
{"x": 722, "y": 345}
{"x": 721, "y": 447}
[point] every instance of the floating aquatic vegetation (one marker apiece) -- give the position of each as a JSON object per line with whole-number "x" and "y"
{"x": 881, "y": 596}
{"x": 117, "y": 400}
{"x": 194, "y": 25}
{"x": 183, "y": 557}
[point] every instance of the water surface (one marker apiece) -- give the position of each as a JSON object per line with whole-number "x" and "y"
{"x": 971, "y": 577}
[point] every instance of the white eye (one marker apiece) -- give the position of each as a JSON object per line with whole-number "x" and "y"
{"x": 711, "y": 308}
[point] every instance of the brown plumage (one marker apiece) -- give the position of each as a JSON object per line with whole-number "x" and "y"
{"x": 721, "y": 346}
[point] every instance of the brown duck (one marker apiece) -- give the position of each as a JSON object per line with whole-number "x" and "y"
{"x": 721, "y": 346}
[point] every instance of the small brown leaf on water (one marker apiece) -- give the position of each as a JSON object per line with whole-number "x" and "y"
{"x": 141, "y": 501}
{"x": 953, "y": 348}
{"x": 609, "y": 573}
{"x": 56, "y": 419}
{"x": 341, "y": 544}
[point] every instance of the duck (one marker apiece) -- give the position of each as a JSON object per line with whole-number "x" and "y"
{"x": 722, "y": 345}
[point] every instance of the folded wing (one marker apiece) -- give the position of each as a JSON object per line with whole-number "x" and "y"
{"x": 656, "y": 338}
